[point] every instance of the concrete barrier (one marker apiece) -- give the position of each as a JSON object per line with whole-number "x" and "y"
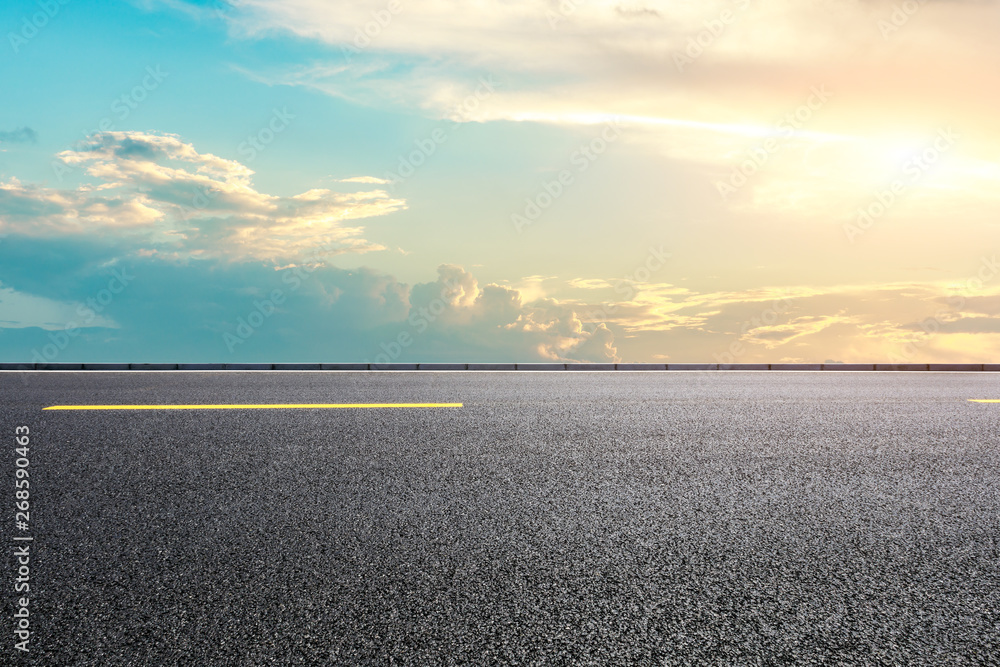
{"x": 640, "y": 367}
{"x": 744, "y": 367}
{"x": 796, "y": 367}
{"x": 442, "y": 367}
{"x": 492, "y": 367}
{"x": 692, "y": 367}
{"x": 901, "y": 367}
{"x": 541, "y": 367}
{"x": 590, "y": 367}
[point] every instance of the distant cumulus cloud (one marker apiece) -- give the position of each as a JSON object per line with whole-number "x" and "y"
{"x": 325, "y": 313}
{"x": 24, "y": 135}
{"x": 155, "y": 199}
{"x": 328, "y": 314}
{"x": 903, "y": 322}
{"x": 492, "y": 322}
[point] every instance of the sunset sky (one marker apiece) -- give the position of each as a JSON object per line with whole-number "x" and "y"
{"x": 313, "y": 180}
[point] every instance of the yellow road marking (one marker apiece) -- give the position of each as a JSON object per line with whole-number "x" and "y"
{"x": 277, "y": 406}
{"x": 984, "y": 400}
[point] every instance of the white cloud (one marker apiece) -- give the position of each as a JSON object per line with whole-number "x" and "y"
{"x": 455, "y": 311}
{"x": 751, "y": 58}
{"x": 700, "y": 82}
{"x": 956, "y": 321}
{"x": 365, "y": 179}
{"x": 176, "y": 202}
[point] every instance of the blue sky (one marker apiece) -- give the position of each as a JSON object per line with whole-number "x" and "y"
{"x": 523, "y": 181}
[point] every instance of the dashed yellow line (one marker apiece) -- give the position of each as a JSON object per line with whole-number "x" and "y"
{"x": 276, "y": 406}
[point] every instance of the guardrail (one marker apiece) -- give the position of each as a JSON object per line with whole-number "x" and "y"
{"x": 495, "y": 367}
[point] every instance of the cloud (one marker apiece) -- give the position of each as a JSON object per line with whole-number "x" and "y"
{"x": 599, "y": 346}
{"x": 747, "y": 59}
{"x": 365, "y": 179}
{"x": 918, "y": 322}
{"x": 322, "y": 313}
{"x": 19, "y": 310}
{"x": 703, "y": 83}
{"x": 331, "y": 314}
{"x": 495, "y": 322}
{"x": 24, "y": 135}
{"x": 974, "y": 325}
{"x": 172, "y": 201}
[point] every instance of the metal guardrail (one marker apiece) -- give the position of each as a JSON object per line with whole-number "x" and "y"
{"x": 493, "y": 367}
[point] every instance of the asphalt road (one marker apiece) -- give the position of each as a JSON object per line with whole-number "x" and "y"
{"x": 557, "y": 518}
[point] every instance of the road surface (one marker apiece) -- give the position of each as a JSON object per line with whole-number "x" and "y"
{"x": 555, "y": 518}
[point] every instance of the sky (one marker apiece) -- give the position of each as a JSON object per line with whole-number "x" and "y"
{"x": 744, "y": 181}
